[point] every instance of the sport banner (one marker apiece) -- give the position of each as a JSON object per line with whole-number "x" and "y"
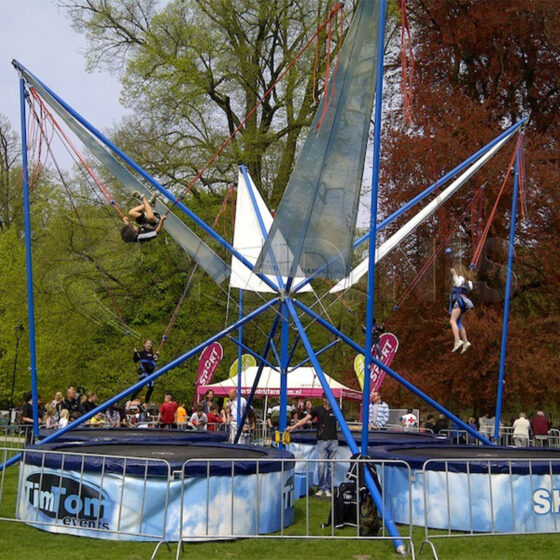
{"x": 208, "y": 363}
{"x": 388, "y": 344}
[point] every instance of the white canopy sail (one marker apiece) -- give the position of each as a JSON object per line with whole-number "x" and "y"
{"x": 360, "y": 271}
{"x": 248, "y": 237}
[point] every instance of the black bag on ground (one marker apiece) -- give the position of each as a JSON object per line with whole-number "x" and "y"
{"x": 347, "y": 501}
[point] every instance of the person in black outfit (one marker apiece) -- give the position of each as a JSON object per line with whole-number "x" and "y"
{"x": 327, "y": 442}
{"x": 429, "y": 425}
{"x": 89, "y": 403}
{"x": 72, "y": 404}
{"x": 146, "y": 366}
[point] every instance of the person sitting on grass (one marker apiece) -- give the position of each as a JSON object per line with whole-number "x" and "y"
{"x": 149, "y": 223}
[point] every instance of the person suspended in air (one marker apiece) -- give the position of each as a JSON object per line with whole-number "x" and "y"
{"x": 376, "y": 332}
{"x": 147, "y": 224}
{"x": 459, "y": 304}
{"x": 146, "y": 360}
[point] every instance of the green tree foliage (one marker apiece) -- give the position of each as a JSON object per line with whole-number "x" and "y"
{"x": 194, "y": 69}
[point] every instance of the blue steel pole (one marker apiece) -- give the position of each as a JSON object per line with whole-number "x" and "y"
{"x": 284, "y": 369}
{"x": 418, "y": 198}
{"x": 176, "y": 201}
{"x": 370, "y": 301}
{"x": 377, "y": 498}
{"x": 259, "y": 371}
{"x": 262, "y": 227}
{"x": 255, "y": 355}
{"x": 318, "y": 353}
{"x": 152, "y": 377}
{"x": 503, "y": 349}
{"x": 239, "y": 362}
{"x": 393, "y": 374}
{"x": 29, "y": 262}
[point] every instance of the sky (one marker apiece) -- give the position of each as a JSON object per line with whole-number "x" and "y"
{"x": 38, "y": 34}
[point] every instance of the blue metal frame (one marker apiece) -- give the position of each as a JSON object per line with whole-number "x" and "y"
{"x": 29, "y": 261}
{"x": 259, "y": 373}
{"x": 440, "y": 182}
{"x": 284, "y": 368}
{"x": 503, "y": 348}
{"x": 318, "y": 353}
{"x": 279, "y": 278}
{"x": 152, "y": 377}
{"x": 176, "y": 201}
{"x": 239, "y": 361}
{"x": 253, "y": 353}
{"x": 393, "y": 374}
{"x": 370, "y": 301}
{"x": 375, "y": 494}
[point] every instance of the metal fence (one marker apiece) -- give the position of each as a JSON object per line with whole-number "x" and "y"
{"x": 474, "y": 497}
{"x": 130, "y": 498}
{"x": 275, "y": 494}
{"x": 462, "y": 437}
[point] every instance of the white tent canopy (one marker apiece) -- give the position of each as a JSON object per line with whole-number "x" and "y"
{"x": 302, "y": 382}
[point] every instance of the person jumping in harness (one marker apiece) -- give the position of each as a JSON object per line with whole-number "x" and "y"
{"x": 149, "y": 223}
{"x": 147, "y": 365}
{"x": 459, "y": 304}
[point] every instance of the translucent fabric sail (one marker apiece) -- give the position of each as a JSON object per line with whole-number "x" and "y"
{"x": 190, "y": 242}
{"x": 314, "y": 226}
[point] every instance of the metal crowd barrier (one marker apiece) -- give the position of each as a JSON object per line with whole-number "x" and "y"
{"x": 481, "y": 497}
{"x": 58, "y": 492}
{"x": 278, "y": 491}
{"x": 16, "y": 436}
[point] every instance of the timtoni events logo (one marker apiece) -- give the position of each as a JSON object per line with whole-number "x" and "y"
{"x": 67, "y": 500}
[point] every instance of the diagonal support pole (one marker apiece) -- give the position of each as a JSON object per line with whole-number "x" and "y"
{"x": 259, "y": 373}
{"x": 375, "y": 494}
{"x": 171, "y": 365}
{"x": 395, "y": 375}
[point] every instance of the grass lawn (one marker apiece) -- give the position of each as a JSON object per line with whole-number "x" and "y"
{"x": 18, "y": 541}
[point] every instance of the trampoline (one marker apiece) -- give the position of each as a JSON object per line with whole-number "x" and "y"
{"x": 303, "y": 444}
{"x": 135, "y": 434}
{"x": 473, "y": 488}
{"x": 156, "y": 491}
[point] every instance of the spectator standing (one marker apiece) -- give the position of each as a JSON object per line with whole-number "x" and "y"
{"x": 113, "y": 417}
{"x": 472, "y": 424}
{"x": 51, "y": 417}
{"x": 249, "y": 427}
{"x": 409, "y": 421}
{"x": 89, "y": 403}
{"x": 540, "y": 426}
{"x": 233, "y": 412}
{"x": 441, "y": 424}
{"x": 57, "y": 404}
{"x": 521, "y": 431}
{"x": 72, "y": 404}
{"x": 208, "y": 401}
{"x": 167, "y": 412}
{"x": 199, "y": 420}
{"x": 182, "y": 416}
{"x": 64, "y": 417}
{"x": 429, "y": 425}
{"x": 214, "y": 418}
{"x": 327, "y": 442}
{"x": 378, "y": 412}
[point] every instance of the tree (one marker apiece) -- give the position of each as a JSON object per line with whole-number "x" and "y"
{"x": 481, "y": 66}
{"x": 195, "y": 68}
{"x": 9, "y": 168}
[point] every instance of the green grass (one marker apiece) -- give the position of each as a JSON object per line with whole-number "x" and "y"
{"x": 19, "y": 541}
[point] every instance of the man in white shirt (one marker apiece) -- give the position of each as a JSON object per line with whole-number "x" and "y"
{"x": 233, "y": 407}
{"x": 521, "y": 431}
{"x": 378, "y": 412}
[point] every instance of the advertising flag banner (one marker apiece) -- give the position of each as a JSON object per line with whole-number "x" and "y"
{"x": 208, "y": 363}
